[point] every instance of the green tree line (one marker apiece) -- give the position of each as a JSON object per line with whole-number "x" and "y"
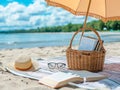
{"x": 98, "y": 25}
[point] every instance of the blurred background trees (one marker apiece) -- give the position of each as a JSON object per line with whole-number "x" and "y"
{"x": 98, "y": 25}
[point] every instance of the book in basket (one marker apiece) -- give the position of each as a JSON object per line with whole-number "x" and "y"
{"x": 98, "y": 47}
{"x": 59, "y": 79}
{"x": 88, "y": 43}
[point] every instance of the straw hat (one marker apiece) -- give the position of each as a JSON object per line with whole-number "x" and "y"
{"x": 24, "y": 63}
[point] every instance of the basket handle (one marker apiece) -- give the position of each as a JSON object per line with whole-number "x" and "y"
{"x": 99, "y": 39}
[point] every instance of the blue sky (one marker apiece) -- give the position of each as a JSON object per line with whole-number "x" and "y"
{"x": 24, "y": 2}
{"x": 26, "y": 14}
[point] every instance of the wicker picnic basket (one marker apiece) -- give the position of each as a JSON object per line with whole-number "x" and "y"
{"x": 85, "y": 60}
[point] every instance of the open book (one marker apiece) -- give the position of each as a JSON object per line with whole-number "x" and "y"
{"x": 88, "y": 43}
{"x": 60, "y": 79}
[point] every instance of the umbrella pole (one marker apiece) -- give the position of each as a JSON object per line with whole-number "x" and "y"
{"x": 86, "y": 17}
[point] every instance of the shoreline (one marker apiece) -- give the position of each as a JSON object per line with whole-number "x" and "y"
{"x": 105, "y": 43}
{"x": 112, "y": 49}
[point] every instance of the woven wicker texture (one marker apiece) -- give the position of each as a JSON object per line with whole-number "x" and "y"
{"x": 85, "y": 60}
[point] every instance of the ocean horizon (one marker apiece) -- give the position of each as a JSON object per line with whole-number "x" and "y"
{"x": 29, "y": 40}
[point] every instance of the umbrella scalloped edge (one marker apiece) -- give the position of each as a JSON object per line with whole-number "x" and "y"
{"x": 104, "y": 19}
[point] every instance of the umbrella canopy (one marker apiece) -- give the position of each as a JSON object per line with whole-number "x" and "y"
{"x": 102, "y": 9}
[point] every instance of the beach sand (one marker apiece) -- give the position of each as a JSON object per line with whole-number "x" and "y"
{"x": 9, "y": 81}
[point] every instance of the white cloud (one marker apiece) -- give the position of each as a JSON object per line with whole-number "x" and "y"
{"x": 1, "y": 8}
{"x": 37, "y": 14}
{"x": 14, "y": 7}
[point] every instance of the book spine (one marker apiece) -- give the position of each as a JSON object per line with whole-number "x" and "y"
{"x": 98, "y": 46}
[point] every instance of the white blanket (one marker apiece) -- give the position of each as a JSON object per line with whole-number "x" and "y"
{"x": 113, "y": 59}
{"x": 44, "y": 71}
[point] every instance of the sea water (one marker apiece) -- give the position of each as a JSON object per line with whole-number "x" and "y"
{"x": 28, "y": 40}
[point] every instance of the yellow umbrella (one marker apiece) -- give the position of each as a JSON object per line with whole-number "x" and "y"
{"x": 102, "y": 9}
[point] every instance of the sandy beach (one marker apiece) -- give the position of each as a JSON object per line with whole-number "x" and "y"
{"x": 10, "y": 81}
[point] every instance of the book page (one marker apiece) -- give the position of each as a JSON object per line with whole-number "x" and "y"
{"x": 61, "y": 76}
{"x": 90, "y": 76}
